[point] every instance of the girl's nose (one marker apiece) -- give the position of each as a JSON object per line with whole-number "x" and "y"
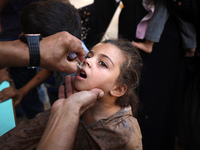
{"x": 87, "y": 62}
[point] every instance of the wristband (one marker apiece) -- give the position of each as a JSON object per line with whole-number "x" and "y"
{"x": 34, "y": 48}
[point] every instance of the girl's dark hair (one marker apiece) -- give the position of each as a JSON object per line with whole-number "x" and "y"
{"x": 48, "y": 17}
{"x": 130, "y": 72}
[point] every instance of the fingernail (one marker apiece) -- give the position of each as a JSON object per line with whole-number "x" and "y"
{"x": 101, "y": 94}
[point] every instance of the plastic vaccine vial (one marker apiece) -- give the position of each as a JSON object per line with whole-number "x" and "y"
{"x": 79, "y": 63}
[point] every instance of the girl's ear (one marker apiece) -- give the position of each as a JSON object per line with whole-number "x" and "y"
{"x": 118, "y": 90}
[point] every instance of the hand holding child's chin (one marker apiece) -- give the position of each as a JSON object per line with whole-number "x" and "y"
{"x": 72, "y": 99}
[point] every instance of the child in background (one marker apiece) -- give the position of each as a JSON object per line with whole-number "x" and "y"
{"x": 10, "y": 11}
{"x": 46, "y": 17}
{"x": 113, "y": 66}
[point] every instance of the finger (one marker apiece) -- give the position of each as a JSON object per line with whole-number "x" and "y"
{"x": 61, "y": 92}
{"x": 10, "y": 92}
{"x": 84, "y": 98}
{"x": 7, "y": 92}
{"x": 70, "y": 66}
{"x": 17, "y": 103}
{"x": 5, "y": 78}
{"x": 76, "y": 47}
{"x": 2, "y": 100}
{"x": 79, "y": 50}
{"x": 68, "y": 85}
{"x": 98, "y": 92}
{"x": 72, "y": 82}
{"x": 133, "y": 42}
{"x": 90, "y": 98}
{"x": 3, "y": 96}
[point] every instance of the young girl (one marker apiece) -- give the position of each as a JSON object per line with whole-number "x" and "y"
{"x": 113, "y": 66}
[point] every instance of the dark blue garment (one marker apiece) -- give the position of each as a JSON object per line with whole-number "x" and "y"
{"x": 31, "y": 103}
{"x": 10, "y": 25}
{"x": 10, "y": 16}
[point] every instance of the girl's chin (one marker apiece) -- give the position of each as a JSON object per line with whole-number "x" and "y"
{"x": 80, "y": 88}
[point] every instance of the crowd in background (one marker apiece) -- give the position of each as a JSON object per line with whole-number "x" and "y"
{"x": 169, "y": 86}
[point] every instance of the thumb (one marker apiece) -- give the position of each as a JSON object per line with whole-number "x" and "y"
{"x": 70, "y": 66}
{"x": 92, "y": 96}
{"x": 99, "y": 93}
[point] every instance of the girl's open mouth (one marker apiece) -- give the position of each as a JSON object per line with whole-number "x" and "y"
{"x": 83, "y": 73}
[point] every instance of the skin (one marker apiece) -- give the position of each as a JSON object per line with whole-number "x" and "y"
{"x": 59, "y": 45}
{"x": 100, "y": 62}
{"x": 147, "y": 47}
{"x": 105, "y": 60}
{"x": 17, "y": 95}
{"x": 64, "y": 118}
{"x": 102, "y": 68}
{"x": 94, "y": 104}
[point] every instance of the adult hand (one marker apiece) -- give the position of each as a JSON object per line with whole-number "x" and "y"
{"x": 54, "y": 51}
{"x": 64, "y": 118}
{"x": 69, "y": 82}
{"x": 78, "y": 102}
{"x": 81, "y": 100}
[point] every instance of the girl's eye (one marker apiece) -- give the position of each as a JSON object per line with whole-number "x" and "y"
{"x": 87, "y": 57}
{"x": 103, "y": 64}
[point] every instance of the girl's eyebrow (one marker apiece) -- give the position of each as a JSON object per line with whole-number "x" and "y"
{"x": 103, "y": 55}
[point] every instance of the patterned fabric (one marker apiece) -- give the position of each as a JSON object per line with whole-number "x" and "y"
{"x": 120, "y": 131}
{"x": 84, "y": 13}
{"x": 26, "y": 135}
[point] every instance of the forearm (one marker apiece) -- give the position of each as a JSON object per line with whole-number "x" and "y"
{"x": 53, "y": 52}
{"x": 60, "y": 131}
{"x": 61, "y": 128}
{"x": 42, "y": 76}
{"x": 13, "y": 53}
{"x": 38, "y": 79}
